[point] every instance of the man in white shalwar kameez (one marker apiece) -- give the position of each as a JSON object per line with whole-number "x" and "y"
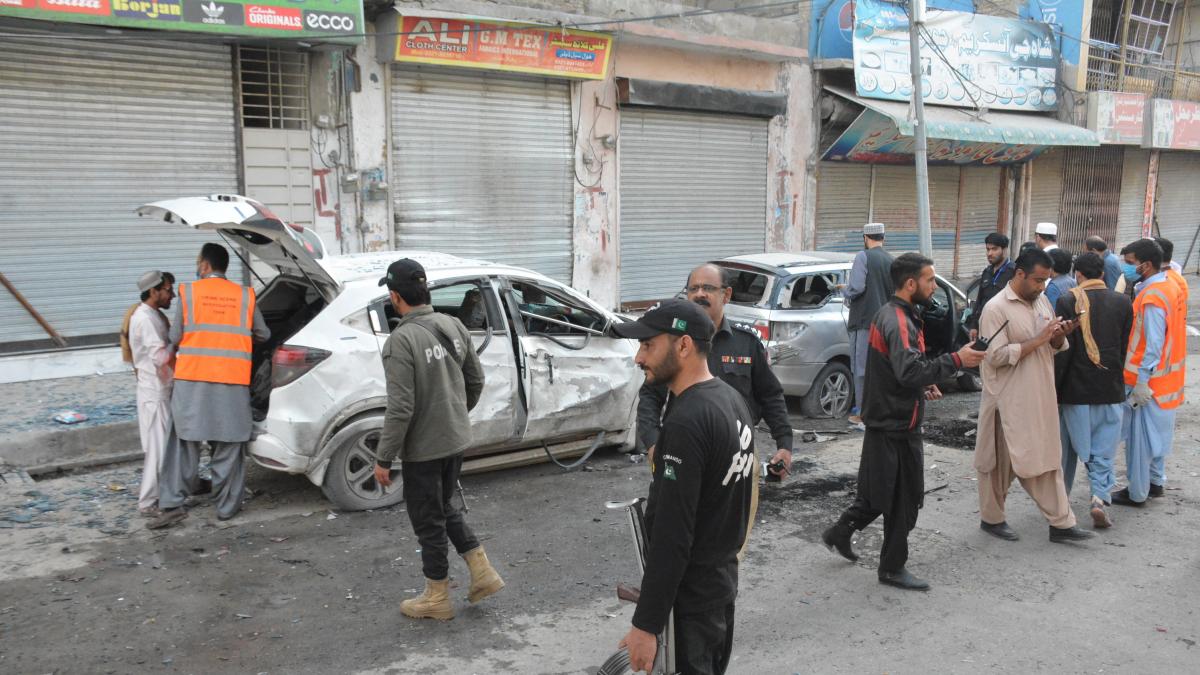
{"x": 153, "y": 360}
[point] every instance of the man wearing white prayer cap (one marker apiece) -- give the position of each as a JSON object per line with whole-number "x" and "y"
{"x": 1046, "y": 236}
{"x": 869, "y": 288}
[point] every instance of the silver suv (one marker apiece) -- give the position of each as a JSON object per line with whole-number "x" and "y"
{"x": 792, "y": 301}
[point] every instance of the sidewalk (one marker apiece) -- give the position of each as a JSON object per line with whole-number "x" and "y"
{"x": 30, "y": 438}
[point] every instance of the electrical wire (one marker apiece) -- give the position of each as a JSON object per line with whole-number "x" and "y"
{"x": 183, "y": 36}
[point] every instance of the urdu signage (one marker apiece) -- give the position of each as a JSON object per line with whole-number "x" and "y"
{"x": 967, "y": 60}
{"x": 338, "y": 21}
{"x": 1132, "y": 119}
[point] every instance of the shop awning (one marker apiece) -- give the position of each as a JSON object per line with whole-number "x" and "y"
{"x": 883, "y": 133}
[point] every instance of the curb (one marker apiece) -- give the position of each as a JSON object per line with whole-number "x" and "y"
{"x": 48, "y": 451}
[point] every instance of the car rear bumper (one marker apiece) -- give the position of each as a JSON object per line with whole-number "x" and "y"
{"x": 270, "y": 452}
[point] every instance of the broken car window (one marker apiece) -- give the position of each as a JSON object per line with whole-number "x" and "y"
{"x": 567, "y": 316}
{"x": 808, "y": 291}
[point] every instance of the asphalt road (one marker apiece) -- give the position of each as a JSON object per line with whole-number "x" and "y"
{"x": 291, "y": 586}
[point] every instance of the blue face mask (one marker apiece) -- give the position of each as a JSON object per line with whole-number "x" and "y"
{"x": 1130, "y": 272}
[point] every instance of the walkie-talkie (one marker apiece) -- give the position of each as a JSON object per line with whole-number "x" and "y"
{"x": 982, "y": 344}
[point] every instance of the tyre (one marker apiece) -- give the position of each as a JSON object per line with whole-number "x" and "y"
{"x": 969, "y": 381}
{"x": 350, "y": 479}
{"x": 617, "y": 664}
{"x": 832, "y": 393}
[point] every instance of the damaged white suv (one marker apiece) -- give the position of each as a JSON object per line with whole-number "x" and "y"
{"x": 556, "y": 384}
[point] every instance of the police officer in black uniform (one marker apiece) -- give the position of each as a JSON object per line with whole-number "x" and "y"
{"x": 738, "y": 357}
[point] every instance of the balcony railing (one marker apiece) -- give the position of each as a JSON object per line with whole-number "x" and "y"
{"x": 1106, "y": 72}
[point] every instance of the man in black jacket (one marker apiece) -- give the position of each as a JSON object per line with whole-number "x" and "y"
{"x": 738, "y": 357}
{"x": 993, "y": 279}
{"x": 1089, "y": 377}
{"x": 900, "y": 378}
{"x": 699, "y": 507}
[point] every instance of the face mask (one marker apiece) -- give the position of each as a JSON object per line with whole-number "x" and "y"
{"x": 1130, "y": 272}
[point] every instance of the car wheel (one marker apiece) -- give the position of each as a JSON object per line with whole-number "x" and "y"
{"x": 350, "y": 480}
{"x": 970, "y": 382}
{"x": 832, "y": 393}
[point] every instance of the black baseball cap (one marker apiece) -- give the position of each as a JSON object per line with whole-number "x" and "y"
{"x": 676, "y": 317}
{"x": 403, "y": 272}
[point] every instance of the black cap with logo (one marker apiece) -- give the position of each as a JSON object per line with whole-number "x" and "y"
{"x": 403, "y": 272}
{"x": 676, "y": 317}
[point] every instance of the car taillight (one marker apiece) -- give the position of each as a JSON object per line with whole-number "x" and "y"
{"x": 292, "y": 361}
{"x": 763, "y": 328}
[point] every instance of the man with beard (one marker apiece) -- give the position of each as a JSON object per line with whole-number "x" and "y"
{"x": 738, "y": 357}
{"x": 993, "y": 279}
{"x": 1018, "y": 412}
{"x": 899, "y": 379}
{"x": 697, "y": 516}
{"x": 153, "y": 364}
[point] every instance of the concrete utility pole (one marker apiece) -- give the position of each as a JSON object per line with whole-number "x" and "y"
{"x": 916, "y": 17}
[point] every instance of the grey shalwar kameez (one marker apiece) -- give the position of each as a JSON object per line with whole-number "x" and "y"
{"x": 218, "y": 414}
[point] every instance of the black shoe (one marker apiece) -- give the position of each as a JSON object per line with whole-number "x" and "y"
{"x": 1000, "y": 530}
{"x": 837, "y": 538}
{"x": 1156, "y": 490}
{"x": 901, "y": 578}
{"x": 1062, "y": 535}
{"x": 1122, "y": 497}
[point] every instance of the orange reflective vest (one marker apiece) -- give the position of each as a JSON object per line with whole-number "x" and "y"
{"x": 1166, "y": 381}
{"x": 218, "y": 316}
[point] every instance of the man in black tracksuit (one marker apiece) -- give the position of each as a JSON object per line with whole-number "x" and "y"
{"x": 900, "y": 377}
{"x": 737, "y": 356}
{"x": 699, "y": 506}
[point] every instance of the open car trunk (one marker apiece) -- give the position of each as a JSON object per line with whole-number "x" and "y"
{"x": 287, "y": 304}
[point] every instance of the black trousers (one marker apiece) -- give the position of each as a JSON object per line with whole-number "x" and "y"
{"x": 891, "y": 483}
{"x": 428, "y": 487}
{"x": 704, "y": 641}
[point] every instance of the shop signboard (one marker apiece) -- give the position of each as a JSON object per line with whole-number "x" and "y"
{"x": 1116, "y": 117}
{"x": 497, "y": 45}
{"x": 1172, "y": 125}
{"x": 967, "y": 60}
{"x": 336, "y": 21}
{"x": 875, "y": 139}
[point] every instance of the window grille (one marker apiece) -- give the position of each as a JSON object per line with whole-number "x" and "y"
{"x": 273, "y": 88}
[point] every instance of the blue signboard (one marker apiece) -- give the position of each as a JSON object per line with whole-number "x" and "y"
{"x": 1066, "y": 17}
{"x": 967, "y": 60}
{"x": 875, "y": 139}
{"x": 832, "y": 27}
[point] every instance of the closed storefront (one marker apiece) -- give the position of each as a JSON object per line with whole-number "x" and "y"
{"x": 1091, "y": 192}
{"x": 481, "y": 166}
{"x": 964, "y": 207}
{"x": 843, "y": 205}
{"x": 693, "y": 188}
{"x": 1133, "y": 197}
{"x": 1045, "y": 189}
{"x": 1177, "y": 214}
{"x": 89, "y": 134}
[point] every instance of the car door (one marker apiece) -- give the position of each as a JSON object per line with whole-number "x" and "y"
{"x": 576, "y": 380}
{"x": 497, "y": 419}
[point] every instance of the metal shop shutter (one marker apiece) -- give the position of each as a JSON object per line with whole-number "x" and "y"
{"x": 1045, "y": 191}
{"x": 980, "y": 211}
{"x": 1178, "y": 207}
{"x": 693, "y": 188}
{"x": 895, "y": 205}
{"x": 1134, "y": 176}
{"x": 481, "y": 167}
{"x": 90, "y": 131}
{"x": 843, "y": 205}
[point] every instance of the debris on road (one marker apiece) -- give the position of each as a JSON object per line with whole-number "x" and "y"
{"x": 70, "y": 417}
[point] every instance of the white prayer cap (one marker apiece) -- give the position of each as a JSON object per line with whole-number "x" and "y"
{"x": 150, "y": 280}
{"x": 873, "y": 228}
{"x": 1046, "y": 228}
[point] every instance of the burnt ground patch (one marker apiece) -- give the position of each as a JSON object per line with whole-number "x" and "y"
{"x": 811, "y": 500}
{"x": 955, "y": 433}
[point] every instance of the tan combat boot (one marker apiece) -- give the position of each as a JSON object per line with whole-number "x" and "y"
{"x": 434, "y": 603}
{"x": 484, "y": 579}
